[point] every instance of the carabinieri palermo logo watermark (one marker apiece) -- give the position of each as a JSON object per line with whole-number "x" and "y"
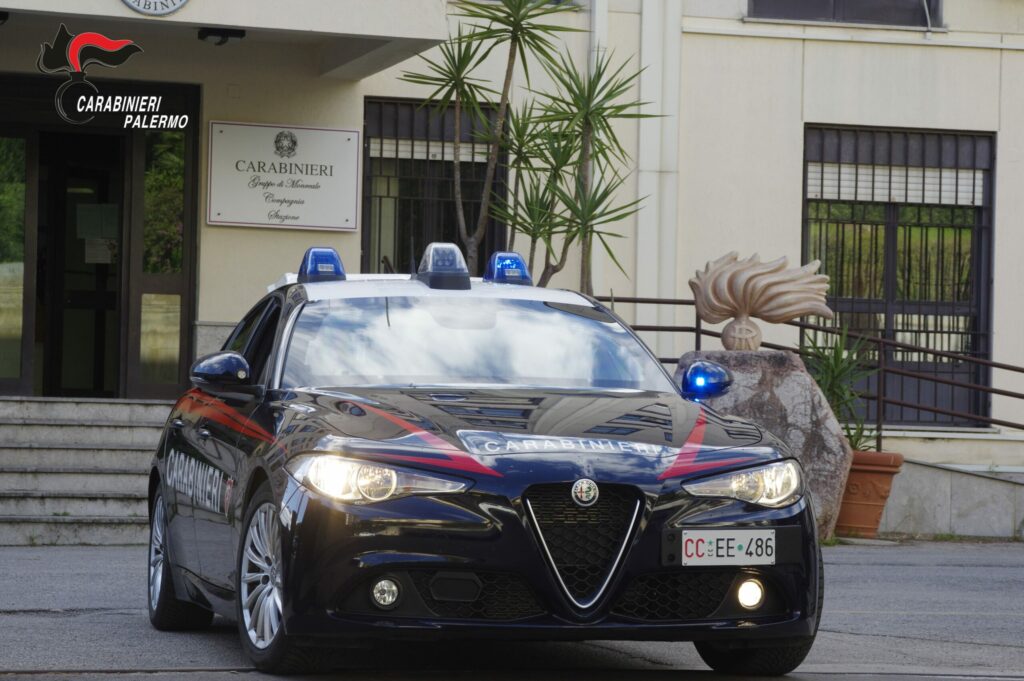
{"x": 155, "y": 8}
{"x": 78, "y": 100}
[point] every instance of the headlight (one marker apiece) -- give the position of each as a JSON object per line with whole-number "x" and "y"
{"x": 775, "y": 485}
{"x": 355, "y": 481}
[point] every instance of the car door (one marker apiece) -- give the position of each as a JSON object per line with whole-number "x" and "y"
{"x": 179, "y": 447}
{"x": 224, "y": 434}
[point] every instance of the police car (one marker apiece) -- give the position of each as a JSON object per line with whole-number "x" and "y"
{"x": 431, "y": 456}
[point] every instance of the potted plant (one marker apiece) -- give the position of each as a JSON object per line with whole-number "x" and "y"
{"x": 838, "y": 367}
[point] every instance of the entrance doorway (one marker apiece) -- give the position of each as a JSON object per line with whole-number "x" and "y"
{"x": 97, "y": 246}
{"x": 78, "y": 265}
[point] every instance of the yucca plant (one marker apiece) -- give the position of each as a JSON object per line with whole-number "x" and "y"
{"x": 587, "y": 104}
{"x": 519, "y": 24}
{"x": 837, "y": 367}
{"x": 454, "y": 85}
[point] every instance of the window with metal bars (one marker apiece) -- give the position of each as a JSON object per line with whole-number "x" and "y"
{"x": 923, "y": 13}
{"x": 408, "y": 183}
{"x": 901, "y": 221}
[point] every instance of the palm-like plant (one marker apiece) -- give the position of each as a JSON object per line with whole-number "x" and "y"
{"x": 456, "y": 87}
{"x": 520, "y": 25}
{"x": 586, "y": 105}
{"x": 837, "y": 367}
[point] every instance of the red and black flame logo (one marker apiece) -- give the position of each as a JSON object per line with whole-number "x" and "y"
{"x": 72, "y": 54}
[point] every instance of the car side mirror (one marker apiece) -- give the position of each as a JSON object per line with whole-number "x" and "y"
{"x": 222, "y": 373}
{"x": 702, "y": 379}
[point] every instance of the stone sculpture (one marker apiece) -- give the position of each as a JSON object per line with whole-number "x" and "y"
{"x": 741, "y": 289}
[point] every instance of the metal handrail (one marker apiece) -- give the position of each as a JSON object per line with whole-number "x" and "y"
{"x": 880, "y": 396}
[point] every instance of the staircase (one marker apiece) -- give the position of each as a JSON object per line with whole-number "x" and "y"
{"x": 75, "y": 470}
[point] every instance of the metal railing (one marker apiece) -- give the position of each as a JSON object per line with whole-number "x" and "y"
{"x": 881, "y": 346}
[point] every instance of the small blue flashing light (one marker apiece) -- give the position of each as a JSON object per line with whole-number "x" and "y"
{"x": 703, "y": 379}
{"x": 508, "y": 267}
{"x": 444, "y": 267}
{"x": 321, "y": 264}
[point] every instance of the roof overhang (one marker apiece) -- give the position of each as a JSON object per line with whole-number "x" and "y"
{"x": 356, "y": 38}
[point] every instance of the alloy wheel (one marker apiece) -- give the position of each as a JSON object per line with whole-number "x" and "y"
{"x": 261, "y": 577}
{"x": 157, "y": 552}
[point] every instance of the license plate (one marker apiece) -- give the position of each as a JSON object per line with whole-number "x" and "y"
{"x": 728, "y": 547}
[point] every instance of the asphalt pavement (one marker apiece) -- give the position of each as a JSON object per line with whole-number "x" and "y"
{"x": 914, "y": 610}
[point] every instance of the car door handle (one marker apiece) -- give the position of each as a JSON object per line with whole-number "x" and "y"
{"x": 177, "y": 423}
{"x": 204, "y": 434}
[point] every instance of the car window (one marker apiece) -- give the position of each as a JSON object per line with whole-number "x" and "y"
{"x": 465, "y": 341}
{"x": 239, "y": 338}
{"x": 263, "y": 341}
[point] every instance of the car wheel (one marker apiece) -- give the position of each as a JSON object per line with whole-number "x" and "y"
{"x": 166, "y": 612}
{"x": 782, "y": 657}
{"x": 258, "y": 593}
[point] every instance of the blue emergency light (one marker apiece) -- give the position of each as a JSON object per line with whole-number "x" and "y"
{"x": 321, "y": 264}
{"x": 444, "y": 267}
{"x": 508, "y": 267}
{"x": 703, "y": 379}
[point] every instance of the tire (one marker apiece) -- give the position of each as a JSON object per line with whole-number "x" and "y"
{"x": 258, "y": 595}
{"x": 781, "y": 657}
{"x": 166, "y": 612}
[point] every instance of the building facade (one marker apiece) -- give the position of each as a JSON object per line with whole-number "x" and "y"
{"x": 885, "y": 139}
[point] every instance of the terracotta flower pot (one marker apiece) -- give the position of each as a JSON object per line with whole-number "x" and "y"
{"x": 867, "y": 489}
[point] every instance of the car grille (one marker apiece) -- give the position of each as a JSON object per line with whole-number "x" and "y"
{"x": 583, "y": 542}
{"x": 502, "y": 596}
{"x": 674, "y": 595}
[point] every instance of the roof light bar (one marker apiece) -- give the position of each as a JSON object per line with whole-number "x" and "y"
{"x": 443, "y": 267}
{"x": 508, "y": 267}
{"x": 321, "y": 264}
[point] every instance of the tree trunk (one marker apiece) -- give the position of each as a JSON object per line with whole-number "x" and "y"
{"x": 553, "y": 268}
{"x": 492, "y": 155}
{"x": 460, "y": 215}
{"x": 472, "y": 252}
{"x": 515, "y": 210}
{"x": 586, "y": 231}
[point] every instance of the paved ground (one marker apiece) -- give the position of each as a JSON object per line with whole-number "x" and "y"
{"x": 941, "y": 610}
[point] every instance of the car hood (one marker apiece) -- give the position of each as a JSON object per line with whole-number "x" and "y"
{"x": 485, "y": 433}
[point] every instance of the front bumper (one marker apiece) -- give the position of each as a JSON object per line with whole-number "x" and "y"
{"x": 471, "y": 566}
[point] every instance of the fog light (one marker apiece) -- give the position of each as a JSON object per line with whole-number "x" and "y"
{"x": 385, "y": 593}
{"x": 750, "y": 594}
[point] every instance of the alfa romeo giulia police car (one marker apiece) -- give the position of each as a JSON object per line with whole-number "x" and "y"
{"x": 411, "y": 457}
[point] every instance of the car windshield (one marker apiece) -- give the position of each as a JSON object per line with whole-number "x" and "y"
{"x": 465, "y": 341}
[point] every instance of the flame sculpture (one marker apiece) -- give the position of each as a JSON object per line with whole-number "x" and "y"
{"x": 730, "y": 287}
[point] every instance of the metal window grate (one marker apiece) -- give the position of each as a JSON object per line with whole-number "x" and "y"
{"x": 901, "y": 221}
{"x": 408, "y": 183}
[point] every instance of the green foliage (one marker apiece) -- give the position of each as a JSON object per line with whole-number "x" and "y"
{"x": 516, "y": 22}
{"x": 164, "y": 203}
{"x": 12, "y": 199}
{"x": 837, "y": 367}
{"x": 553, "y": 143}
{"x": 452, "y": 78}
{"x": 588, "y": 103}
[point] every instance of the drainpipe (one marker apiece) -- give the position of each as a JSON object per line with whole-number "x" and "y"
{"x": 658, "y": 165}
{"x": 598, "y": 46}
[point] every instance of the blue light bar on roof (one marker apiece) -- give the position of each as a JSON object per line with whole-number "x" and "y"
{"x": 508, "y": 267}
{"x": 321, "y": 264}
{"x": 444, "y": 267}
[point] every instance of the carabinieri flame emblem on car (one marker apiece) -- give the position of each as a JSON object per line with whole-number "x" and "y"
{"x": 585, "y": 492}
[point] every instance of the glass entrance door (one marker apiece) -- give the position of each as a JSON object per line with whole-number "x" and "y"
{"x": 16, "y": 264}
{"x": 79, "y": 264}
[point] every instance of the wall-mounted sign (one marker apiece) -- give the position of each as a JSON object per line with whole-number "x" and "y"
{"x": 155, "y": 8}
{"x": 283, "y": 176}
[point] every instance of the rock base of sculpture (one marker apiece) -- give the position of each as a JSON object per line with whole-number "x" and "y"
{"x": 774, "y": 390}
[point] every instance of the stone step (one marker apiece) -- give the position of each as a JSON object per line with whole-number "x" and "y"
{"x": 69, "y": 479}
{"x": 58, "y": 432}
{"x": 124, "y": 457}
{"x": 121, "y": 505}
{"x": 85, "y": 409}
{"x": 58, "y": 530}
